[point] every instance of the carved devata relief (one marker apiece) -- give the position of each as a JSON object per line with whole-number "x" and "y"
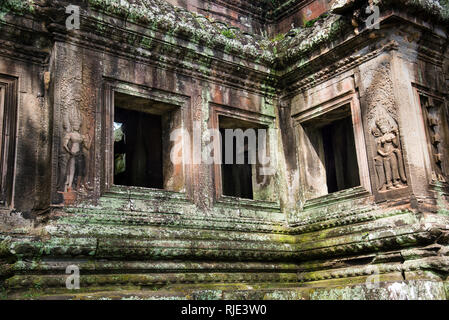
{"x": 73, "y": 157}
{"x": 383, "y": 127}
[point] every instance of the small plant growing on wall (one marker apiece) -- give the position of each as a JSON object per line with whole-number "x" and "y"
{"x": 228, "y": 34}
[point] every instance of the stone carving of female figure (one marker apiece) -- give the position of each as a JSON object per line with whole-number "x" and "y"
{"x": 388, "y": 162}
{"x": 73, "y": 144}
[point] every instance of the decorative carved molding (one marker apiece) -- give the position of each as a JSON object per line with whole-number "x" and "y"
{"x": 309, "y": 81}
{"x": 435, "y": 115}
{"x": 175, "y": 58}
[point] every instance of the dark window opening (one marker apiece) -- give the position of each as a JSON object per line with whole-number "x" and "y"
{"x": 332, "y": 136}
{"x": 237, "y": 179}
{"x": 137, "y": 149}
{"x": 340, "y": 155}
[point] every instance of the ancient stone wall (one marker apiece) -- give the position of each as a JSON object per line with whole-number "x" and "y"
{"x": 358, "y": 136}
{"x": 30, "y": 117}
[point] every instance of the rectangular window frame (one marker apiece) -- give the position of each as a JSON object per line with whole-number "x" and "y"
{"x": 8, "y": 127}
{"x": 217, "y": 111}
{"x": 351, "y": 99}
{"x": 105, "y": 138}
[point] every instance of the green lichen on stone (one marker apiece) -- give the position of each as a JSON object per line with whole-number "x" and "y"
{"x": 278, "y": 37}
{"x": 310, "y": 23}
{"x": 324, "y": 30}
{"x": 164, "y": 17}
{"x": 19, "y": 7}
{"x": 3, "y": 293}
{"x": 4, "y": 247}
{"x": 438, "y": 9}
{"x": 445, "y": 11}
